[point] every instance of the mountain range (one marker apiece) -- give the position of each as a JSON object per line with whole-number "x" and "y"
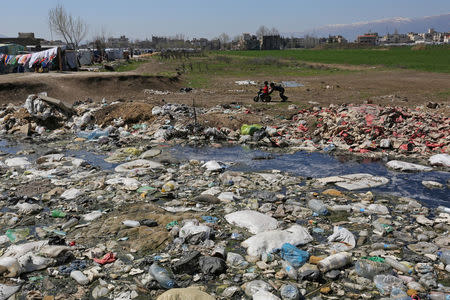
{"x": 440, "y": 23}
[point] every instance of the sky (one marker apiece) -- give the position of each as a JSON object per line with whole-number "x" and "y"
{"x": 140, "y": 19}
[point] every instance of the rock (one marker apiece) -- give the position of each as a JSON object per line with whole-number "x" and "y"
{"x": 71, "y": 194}
{"x": 139, "y": 166}
{"x": 440, "y": 160}
{"x": 268, "y": 241}
{"x": 333, "y": 193}
{"x": 432, "y": 184}
{"x": 385, "y": 144}
{"x": 424, "y": 221}
{"x": 264, "y": 295}
{"x": 205, "y": 198}
{"x": 213, "y": 165}
{"x": 19, "y": 162}
{"x": 354, "y": 181}
{"x": 407, "y": 167}
{"x": 150, "y": 153}
{"x": 125, "y": 183}
{"x": 190, "y": 293}
{"x": 253, "y": 221}
{"x": 7, "y": 291}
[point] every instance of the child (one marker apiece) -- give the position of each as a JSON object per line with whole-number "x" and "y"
{"x": 278, "y": 88}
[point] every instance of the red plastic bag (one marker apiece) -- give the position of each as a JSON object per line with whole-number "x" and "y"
{"x": 107, "y": 258}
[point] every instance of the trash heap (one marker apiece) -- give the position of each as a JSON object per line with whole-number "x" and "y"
{"x": 144, "y": 225}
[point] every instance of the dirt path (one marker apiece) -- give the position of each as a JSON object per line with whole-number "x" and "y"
{"x": 385, "y": 87}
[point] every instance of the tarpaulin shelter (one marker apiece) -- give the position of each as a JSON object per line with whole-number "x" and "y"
{"x": 85, "y": 57}
{"x": 11, "y": 49}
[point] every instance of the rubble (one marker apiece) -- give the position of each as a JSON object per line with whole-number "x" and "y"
{"x": 100, "y": 208}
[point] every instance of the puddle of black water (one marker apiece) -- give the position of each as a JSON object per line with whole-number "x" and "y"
{"x": 322, "y": 165}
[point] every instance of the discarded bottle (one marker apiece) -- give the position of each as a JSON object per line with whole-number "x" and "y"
{"x": 289, "y": 292}
{"x": 72, "y": 222}
{"x": 131, "y": 223}
{"x": 385, "y": 283}
{"x": 399, "y": 294}
{"x": 334, "y": 261}
{"x": 317, "y": 206}
{"x": 58, "y": 214}
{"x": 162, "y": 276}
{"x": 398, "y": 265}
{"x": 444, "y": 256}
{"x": 290, "y": 270}
{"x": 79, "y": 277}
{"x": 93, "y": 134}
{"x": 341, "y": 208}
{"x": 369, "y": 269}
{"x": 382, "y": 246}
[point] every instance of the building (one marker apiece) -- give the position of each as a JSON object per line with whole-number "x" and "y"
{"x": 294, "y": 43}
{"x": 270, "y": 42}
{"x": 24, "y": 39}
{"x": 368, "y": 39}
{"x": 247, "y": 41}
{"x": 395, "y": 38}
{"x": 121, "y": 42}
{"x": 336, "y": 39}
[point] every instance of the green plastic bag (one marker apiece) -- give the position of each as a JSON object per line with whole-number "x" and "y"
{"x": 250, "y": 129}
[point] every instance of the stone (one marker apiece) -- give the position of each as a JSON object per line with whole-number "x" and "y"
{"x": 407, "y": 167}
{"x": 354, "y": 181}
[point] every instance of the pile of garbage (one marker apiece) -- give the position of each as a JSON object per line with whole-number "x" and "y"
{"x": 144, "y": 225}
{"x": 156, "y": 228}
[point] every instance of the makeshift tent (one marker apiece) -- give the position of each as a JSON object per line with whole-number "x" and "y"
{"x": 85, "y": 57}
{"x": 11, "y": 49}
{"x": 113, "y": 54}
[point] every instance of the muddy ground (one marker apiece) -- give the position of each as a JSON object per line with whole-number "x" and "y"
{"x": 364, "y": 84}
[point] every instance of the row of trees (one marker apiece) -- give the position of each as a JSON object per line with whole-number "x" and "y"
{"x": 74, "y": 30}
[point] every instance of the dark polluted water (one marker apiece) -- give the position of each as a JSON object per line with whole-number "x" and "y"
{"x": 318, "y": 165}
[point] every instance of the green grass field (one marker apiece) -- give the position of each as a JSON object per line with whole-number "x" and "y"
{"x": 430, "y": 58}
{"x": 200, "y": 71}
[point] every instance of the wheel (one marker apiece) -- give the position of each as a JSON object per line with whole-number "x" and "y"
{"x": 256, "y": 99}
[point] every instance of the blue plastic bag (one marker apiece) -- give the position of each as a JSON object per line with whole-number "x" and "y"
{"x": 293, "y": 255}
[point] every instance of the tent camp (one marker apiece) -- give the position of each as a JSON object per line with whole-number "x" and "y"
{"x": 85, "y": 57}
{"x": 11, "y": 49}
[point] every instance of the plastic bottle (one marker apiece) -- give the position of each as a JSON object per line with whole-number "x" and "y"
{"x": 93, "y": 134}
{"x": 131, "y": 223}
{"x": 79, "y": 277}
{"x": 341, "y": 208}
{"x": 334, "y": 261}
{"x": 290, "y": 270}
{"x": 444, "y": 256}
{"x": 398, "y": 265}
{"x": 72, "y": 222}
{"x": 317, "y": 206}
{"x": 58, "y": 213}
{"x": 369, "y": 269}
{"x": 289, "y": 292}
{"x": 382, "y": 246}
{"x": 399, "y": 294}
{"x": 385, "y": 283}
{"x": 162, "y": 276}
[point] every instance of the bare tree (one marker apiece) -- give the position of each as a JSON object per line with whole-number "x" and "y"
{"x": 72, "y": 29}
{"x": 100, "y": 39}
{"x": 224, "y": 38}
{"x": 274, "y": 31}
{"x": 262, "y": 31}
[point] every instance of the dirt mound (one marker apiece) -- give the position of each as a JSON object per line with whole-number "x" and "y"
{"x": 234, "y": 121}
{"x": 130, "y": 112}
{"x": 15, "y": 88}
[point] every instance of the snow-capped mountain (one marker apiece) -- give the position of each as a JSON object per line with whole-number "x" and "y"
{"x": 402, "y": 25}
